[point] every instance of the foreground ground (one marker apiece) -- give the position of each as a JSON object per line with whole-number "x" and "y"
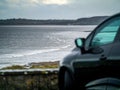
{"x": 28, "y": 80}
{"x": 22, "y": 78}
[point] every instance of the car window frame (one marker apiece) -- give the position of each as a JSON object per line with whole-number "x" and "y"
{"x": 97, "y": 29}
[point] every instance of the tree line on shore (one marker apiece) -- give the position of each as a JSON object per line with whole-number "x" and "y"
{"x": 81, "y": 21}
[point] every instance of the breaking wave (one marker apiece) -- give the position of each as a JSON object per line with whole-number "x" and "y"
{"x": 28, "y": 53}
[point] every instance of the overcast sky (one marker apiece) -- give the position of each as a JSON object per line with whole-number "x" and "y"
{"x": 57, "y": 9}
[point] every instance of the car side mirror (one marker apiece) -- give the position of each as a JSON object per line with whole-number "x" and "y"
{"x": 79, "y": 42}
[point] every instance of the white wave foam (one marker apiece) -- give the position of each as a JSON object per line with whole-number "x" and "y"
{"x": 28, "y": 53}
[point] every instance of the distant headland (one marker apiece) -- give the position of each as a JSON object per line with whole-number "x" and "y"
{"x": 81, "y": 21}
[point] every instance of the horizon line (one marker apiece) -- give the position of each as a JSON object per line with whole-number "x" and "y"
{"x": 53, "y": 18}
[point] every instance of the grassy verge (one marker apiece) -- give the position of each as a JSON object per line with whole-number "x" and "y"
{"x": 31, "y": 80}
{"x": 41, "y": 65}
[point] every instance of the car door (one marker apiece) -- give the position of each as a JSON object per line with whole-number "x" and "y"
{"x": 113, "y": 62}
{"x": 100, "y": 42}
{"x": 115, "y": 51}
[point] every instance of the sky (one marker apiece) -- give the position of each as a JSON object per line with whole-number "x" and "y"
{"x": 57, "y": 9}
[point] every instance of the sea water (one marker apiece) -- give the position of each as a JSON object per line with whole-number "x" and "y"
{"x": 21, "y": 45}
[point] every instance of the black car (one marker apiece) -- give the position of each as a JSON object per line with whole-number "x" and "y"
{"x": 94, "y": 58}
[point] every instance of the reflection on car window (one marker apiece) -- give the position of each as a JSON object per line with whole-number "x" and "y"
{"x": 107, "y": 33}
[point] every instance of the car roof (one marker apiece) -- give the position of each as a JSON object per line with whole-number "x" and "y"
{"x": 116, "y": 14}
{"x": 112, "y": 16}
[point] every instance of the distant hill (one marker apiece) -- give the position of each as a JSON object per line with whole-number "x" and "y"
{"x": 90, "y": 21}
{"x": 81, "y": 21}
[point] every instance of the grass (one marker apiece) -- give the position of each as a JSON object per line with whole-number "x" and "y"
{"x": 41, "y": 65}
{"x": 44, "y": 65}
{"x": 14, "y": 67}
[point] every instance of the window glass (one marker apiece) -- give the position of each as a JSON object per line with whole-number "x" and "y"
{"x": 107, "y": 33}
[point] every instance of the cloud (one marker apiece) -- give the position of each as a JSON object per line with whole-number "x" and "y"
{"x": 35, "y": 1}
{"x": 18, "y": 3}
{"x": 28, "y": 3}
{"x": 57, "y": 2}
{"x": 48, "y": 9}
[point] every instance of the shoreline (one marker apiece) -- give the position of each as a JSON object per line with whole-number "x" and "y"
{"x": 34, "y": 65}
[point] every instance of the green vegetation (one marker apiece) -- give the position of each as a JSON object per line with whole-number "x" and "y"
{"x": 45, "y": 65}
{"x": 14, "y": 67}
{"x": 41, "y": 65}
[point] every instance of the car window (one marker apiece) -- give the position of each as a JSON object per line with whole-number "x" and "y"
{"x": 107, "y": 33}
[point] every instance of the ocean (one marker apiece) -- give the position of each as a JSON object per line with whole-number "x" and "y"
{"x": 21, "y": 45}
